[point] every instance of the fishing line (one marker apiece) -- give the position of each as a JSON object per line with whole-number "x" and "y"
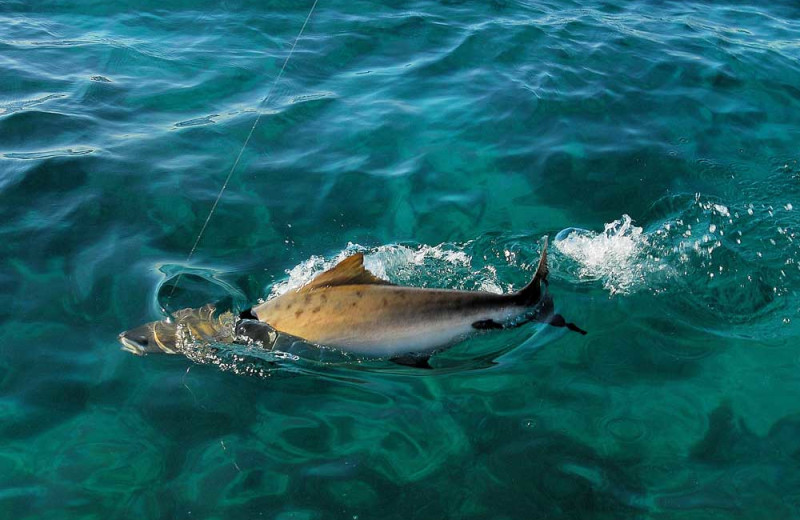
{"x": 244, "y": 145}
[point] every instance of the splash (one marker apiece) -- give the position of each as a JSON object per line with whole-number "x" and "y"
{"x": 618, "y": 256}
{"x": 728, "y": 268}
{"x": 400, "y": 264}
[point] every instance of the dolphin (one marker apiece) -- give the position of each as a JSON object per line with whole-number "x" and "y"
{"x": 349, "y": 308}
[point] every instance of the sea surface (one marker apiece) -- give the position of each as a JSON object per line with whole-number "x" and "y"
{"x": 655, "y": 143}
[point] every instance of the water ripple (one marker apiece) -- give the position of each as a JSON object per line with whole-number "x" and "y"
{"x": 16, "y": 106}
{"x": 47, "y": 154}
{"x": 444, "y": 140}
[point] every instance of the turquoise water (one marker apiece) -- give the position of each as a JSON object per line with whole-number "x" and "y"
{"x": 655, "y": 142}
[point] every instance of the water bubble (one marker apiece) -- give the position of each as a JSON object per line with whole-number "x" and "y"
{"x": 722, "y": 210}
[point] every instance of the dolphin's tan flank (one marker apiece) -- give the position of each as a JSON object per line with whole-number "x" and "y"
{"x": 347, "y": 307}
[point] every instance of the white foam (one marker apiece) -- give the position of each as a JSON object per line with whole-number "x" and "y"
{"x": 303, "y": 273}
{"x": 614, "y": 256}
{"x": 388, "y": 262}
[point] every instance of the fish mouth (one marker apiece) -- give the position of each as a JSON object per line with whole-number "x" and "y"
{"x": 131, "y": 346}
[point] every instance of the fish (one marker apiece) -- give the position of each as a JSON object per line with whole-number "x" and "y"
{"x": 349, "y": 308}
{"x": 165, "y": 336}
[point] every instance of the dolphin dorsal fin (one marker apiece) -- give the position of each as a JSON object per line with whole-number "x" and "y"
{"x": 349, "y": 271}
{"x": 531, "y": 293}
{"x": 542, "y": 271}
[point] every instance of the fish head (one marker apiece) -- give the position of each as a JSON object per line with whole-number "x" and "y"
{"x": 169, "y": 335}
{"x": 151, "y": 338}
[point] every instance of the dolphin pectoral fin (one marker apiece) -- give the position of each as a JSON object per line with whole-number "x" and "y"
{"x": 486, "y": 325}
{"x": 414, "y": 361}
{"x": 557, "y": 320}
